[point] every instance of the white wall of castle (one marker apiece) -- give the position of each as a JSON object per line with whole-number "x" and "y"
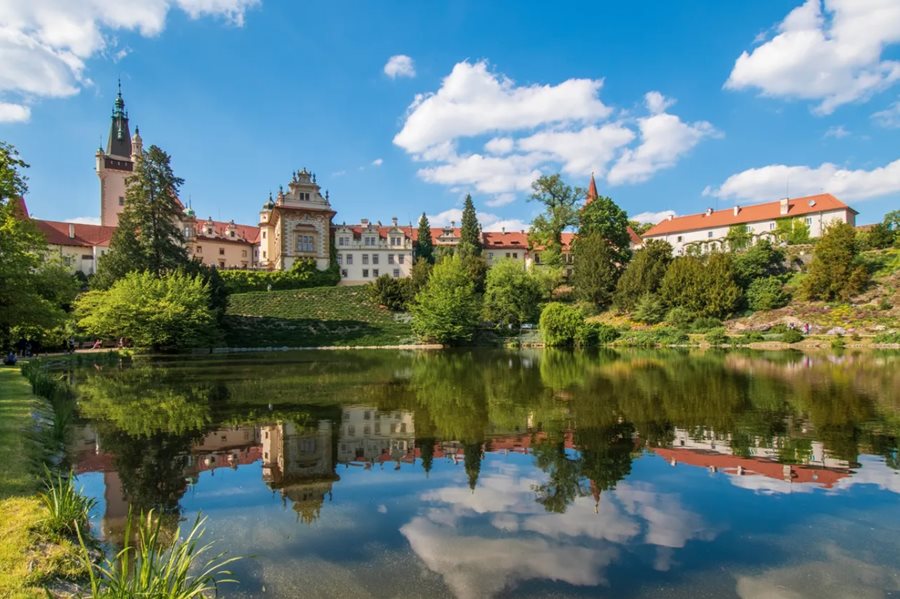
{"x": 365, "y": 259}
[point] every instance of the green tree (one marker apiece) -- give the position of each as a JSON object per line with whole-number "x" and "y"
{"x": 836, "y": 271}
{"x": 792, "y": 231}
{"x": 721, "y": 294}
{"x": 704, "y": 287}
{"x": 639, "y": 227}
{"x": 597, "y": 269}
{"x": 34, "y": 291}
{"x": 879, "y": 236}
{"x": 767, "y": 294}
{"x": 168, "y": 312}
{"x": 760, "y": 261}
{"x": 447, "y": 309}
{"x": 643, "y": 274}
{"x": 477, "y": 267}
{"x": 512, "y": 295}
{"x": 391, "y": 293}
{"x": 470, "y": 231}
{"x": 649, "y": 309}
{"x": 559, "y": 213}
{"x": 738, "y": 237}
{"x": 424, "y": 246}
{"x": 560, "y": 323}
{"x": 603, "y": 217}
{"x": 148, "y": 237}
{"x": 419, "y": 275}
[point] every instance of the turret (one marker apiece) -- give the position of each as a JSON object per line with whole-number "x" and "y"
{"x": 119, "y": 141}
{"x": 137, "y": 145}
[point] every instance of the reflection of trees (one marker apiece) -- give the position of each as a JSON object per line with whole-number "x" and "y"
{"x": 563, "y": 484}
{"x": 426, "y": 450}
{"x": 472, "y": 454}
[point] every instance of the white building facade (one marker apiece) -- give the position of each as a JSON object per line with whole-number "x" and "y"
{"x": 369, "y": 250}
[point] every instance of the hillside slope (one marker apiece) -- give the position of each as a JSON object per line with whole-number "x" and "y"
{"x": 315, "y": 317}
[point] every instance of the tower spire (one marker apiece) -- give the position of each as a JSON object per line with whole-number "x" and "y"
{"x": 119, "y": 143}
{"x": 592, "y": 190}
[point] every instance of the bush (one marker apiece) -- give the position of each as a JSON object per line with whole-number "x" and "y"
{"x": 890, "y": 337}
{"x": 706, "y": 287}
{"x": 705, "y": 323}
{"x": 767, "y": 294}
{"x": 835, "y": 271}
{"x": 591, "y": 334}
{"x": 665, "y": 336}
{"x": 748, "y": 338}
{"x": 512, "y": 295}
{"x": 447, "y": 308}
{"x": 302, "y": 274}
{"x": 838, "y": 342}
{"x": 680, "y": 317}
{"x": 559, "y": 324}
{"x": 792, "y": 336}
{"x": 643, "y": 274}
{"x": 172, "y": 311}
{"x": 716, "y": 337}
{"x": 393, "y": 294}
{"x": 649, "y": 309}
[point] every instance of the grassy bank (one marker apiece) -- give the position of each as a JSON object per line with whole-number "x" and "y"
{"x": 316, "y": 317}
{"x": 29, "y": 556}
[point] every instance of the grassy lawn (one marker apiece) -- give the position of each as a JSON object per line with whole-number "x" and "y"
{"x": 27, "y": 557}
{"x": 313, "y": 317}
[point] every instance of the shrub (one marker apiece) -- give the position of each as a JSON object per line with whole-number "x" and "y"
{"x": 559, "y": 324}
{"x": 716, "y": 337}
{"x": 835, "y": 271}
{"x": 512, "y": 295}
{"x": 393, "y": 294}
{"x": 680, "y": 317}
{"x": 649, "y": 309}
{"x": 655, "y": 337}
{"x": 760, "y": 261}
{"x": 705, "y": 287}
{"x": 838, "y": 342}
{"x": 446, "y": 310}
{"x": 748, "y": 338}
{"x": 890, "y": 337}
{"x": 705, "y": 323}
{"x": 68, "y": 510}
{"x": 643, "y": 274}
{"x": 591, "y": 334}
{"x": 172, "y": 311}
{"x": 792, "y": 336}
{"x": 302, "y": 274}
{"x": 767, "y": 294}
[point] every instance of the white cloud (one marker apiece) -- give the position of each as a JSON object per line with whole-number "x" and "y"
{"x": 45, "y": 43}
{"x": 889, "y": 118}
{"x": 377, "y": 162}
{"x": 488, "y": 221}
{"x": 400, "y": 65}
{"x": 14, "y": 113}
{"x": 664, "y": 139}
{"x": 85, "y": 220}
{"x": 653, "y": 217}
{"x": 837, "y": 132}
{"x": 833, "y": 57}
{"x": 769, "y": 182}
{"x": 482, "y": 132}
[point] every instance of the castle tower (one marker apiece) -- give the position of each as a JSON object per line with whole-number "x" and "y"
{"x": 116, "y": 163}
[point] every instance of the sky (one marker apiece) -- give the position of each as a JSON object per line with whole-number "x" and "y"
{"x": 403, "y": 107}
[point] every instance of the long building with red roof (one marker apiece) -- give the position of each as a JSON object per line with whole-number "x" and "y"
{"x": 707, "y": 231}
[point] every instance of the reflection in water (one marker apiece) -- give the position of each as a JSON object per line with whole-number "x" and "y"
{"x": 553, "y": 468}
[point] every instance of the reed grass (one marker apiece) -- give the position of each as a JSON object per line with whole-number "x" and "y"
{"x": 68, "y": 510}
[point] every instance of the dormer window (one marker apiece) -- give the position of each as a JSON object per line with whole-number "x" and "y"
{"x": 231, "y": 233}
{"x": 395, "y": 240}
{"x": 369, "y": 240}
{"x": 209, "y": 231}
{"x": 342, "y": 240}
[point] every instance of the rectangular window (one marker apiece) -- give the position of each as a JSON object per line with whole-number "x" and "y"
{"x": 305, "y": 244}
{"x": 390, "y": 258}
{"x": 375, "y": 272}
{"x": 342, "y": 240}
{"x": 374, "y": 258}
{"x": 400, "y": 258}
{"x": 340, "y": 258}
{"x": 771, "y": 226}
{"x": 199, "y": 249}
{"x": 349, "y": 258}
{"x": 264, "y": 253}
{"x": 678, "y": 239}
{"x": 370, "y": 241}
{"x": 507, "y": 254}
{"x": 243, "y": 253}
{"x": 709, "y": 234}
{"x": 343, "y": 273}
{"x": 221, "y": 264}
{"x": 264, "y": 234}
{"x": 396, "y": 273}
{"x": 365, "y": 273}
{"x": 221, "y": 251}
{"x": 490, "y": 255}
{"x": 808, "y": 220}
{"x": 121, "y": 201}
{"x": 516, "y": 255}
{"x": 395, "y": 241}
{"x": 365, "y": 258}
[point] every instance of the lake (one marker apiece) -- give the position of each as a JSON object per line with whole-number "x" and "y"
{"x": 510, "y": 473}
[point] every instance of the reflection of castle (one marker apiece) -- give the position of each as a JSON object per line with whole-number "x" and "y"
{"x": 370, "y": 435}
{"x": 711, "y": 451}
{"x": 299, "y": 461}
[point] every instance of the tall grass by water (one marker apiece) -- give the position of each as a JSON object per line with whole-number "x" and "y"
{"x": 68, "y": 510}
{"x": 159, "y": 565}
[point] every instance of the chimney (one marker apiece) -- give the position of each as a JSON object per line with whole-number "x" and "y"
{"x": 394, "y": 220}
{"x": 784, "y": 206}
{"x": 737, "y": 210}
{"x": 709, "y": 212}
{"x": 503, "y": 230}
{"x": 452, "y": 224}
{"x": 670, "y": 217}
{"x": 71, "y": 230}
{"x": 364, "y": 222}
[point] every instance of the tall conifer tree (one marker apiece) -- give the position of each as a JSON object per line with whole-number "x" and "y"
{"x": 424, "y": 244}
{"x": 470, "y": 231}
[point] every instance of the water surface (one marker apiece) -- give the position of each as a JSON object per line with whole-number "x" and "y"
{"x": 501, "y": 473}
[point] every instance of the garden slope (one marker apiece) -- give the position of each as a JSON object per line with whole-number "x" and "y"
{"x": 315, "y": 317}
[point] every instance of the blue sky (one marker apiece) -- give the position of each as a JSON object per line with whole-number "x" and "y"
{"x": 674, "y": 106}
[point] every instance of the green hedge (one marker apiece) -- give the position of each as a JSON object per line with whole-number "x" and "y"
{"x": 302, "y": 275}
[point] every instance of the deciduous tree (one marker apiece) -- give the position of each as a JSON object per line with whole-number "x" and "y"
{"x": 559, "y": 213}
{"x": 643, "y": 274}
{"x": 512, "y": 295}
{"x": 447, "y": 309}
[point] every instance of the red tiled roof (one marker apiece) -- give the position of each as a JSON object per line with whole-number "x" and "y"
{"x": 380, "y": 229}
{"x": 826, "y": 477}
{"x": 244, "y": 233}
{"x": 57, "y": 233}
{"x": 748, "y": 214}
{"x": 21, "y": 207}
{"x": 506, "y": 240}
{"x": 592, "y": 191}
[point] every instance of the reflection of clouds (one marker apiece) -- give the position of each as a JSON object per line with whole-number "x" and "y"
{"x": 873, "y": 471}
{"x": 499, "y": 536}
{"x": 838, "y": 575}
{"x": 770, "y": 486}
{"x": 475, "y": 566}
